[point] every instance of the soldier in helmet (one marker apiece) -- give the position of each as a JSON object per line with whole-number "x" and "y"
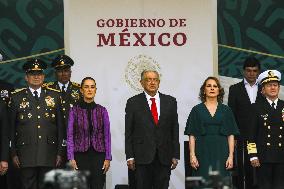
{"x": 266, "y": 133}
{"x": 36, "y": 127}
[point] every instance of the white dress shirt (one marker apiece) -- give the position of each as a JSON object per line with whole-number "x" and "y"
{"x": 38, "y": 91}
{"x": 157, "y": 100}
{"x": 275, "y": 102}
{"x": 251, "y": 90}
{"x": 61, "y": 85}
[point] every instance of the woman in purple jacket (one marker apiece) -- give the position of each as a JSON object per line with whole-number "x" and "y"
{"x": 88, "y": 135}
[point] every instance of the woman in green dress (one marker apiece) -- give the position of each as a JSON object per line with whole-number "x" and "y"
{"x": 211, "y": 128}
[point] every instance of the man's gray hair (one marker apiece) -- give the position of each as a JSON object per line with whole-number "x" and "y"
{"x": 149, "y": 70}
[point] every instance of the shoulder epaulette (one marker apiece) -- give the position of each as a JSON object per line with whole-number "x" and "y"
{"x": 52, "y": 89}
{"x": 76, "y": 84}
{"x": 18, "y": 90}
{"x": 47, "y": 84}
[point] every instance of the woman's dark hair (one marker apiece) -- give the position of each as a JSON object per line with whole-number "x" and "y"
{"x": 87, "y": 78}
{"x": 202, "y": 95}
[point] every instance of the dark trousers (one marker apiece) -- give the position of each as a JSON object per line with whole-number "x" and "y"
{"x": 153, "y": 176}
{"x": 32, "y": 177}
{"x": 270, "y": 176}
{"x": 3, "y": 181}
{"x": 92, "y": 161}
{"x": 13, "y": 177}
{"x": 245, "y": 177}
{"x": 131, "y": 179}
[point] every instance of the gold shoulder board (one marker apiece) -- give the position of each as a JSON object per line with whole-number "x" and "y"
{"x": 76, "y": 84}
{"x": 18, "y": 90}
{"x": 47, "y": 84}
{"x": 52, "y": 89}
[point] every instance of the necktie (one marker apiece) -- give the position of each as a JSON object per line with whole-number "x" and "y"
{"x": 154, "y": 110}
{"x": 63, "y": 90}
{"x": 273, "y": 105}
{"x": 36, "y": 95}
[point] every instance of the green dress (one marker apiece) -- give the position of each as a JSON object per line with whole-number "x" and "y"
{"x": 211, "y": 145}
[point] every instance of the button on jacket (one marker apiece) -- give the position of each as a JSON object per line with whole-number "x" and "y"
{"x": 36, "y": 127}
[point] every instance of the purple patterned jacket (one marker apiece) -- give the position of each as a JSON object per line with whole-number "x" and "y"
{"x": 78, "y": 132}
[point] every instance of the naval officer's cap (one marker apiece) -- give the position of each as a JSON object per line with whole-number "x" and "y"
{"x": 62, "y": 62}
{"x": 34, "y": 66}
{"x": 268, "y": 76}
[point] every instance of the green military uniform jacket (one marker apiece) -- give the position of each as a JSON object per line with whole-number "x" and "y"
{"x": 36, "y": 127}
{"x": 69, "y": 98}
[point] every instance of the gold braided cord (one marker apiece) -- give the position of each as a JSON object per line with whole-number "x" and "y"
{"x": 251, "y": 51}
{"x": 251, "y": 148}
{"x": 269, "y": 79}
{"x": 32, "y": 56}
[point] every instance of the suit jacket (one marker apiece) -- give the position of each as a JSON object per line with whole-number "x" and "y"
{"x": 143, "y": 138}
{"x": 36, "y": 127}
{"x": 241, "y": 106}
{"x": 4, "y": 139}
{"x": 266, "y": 134}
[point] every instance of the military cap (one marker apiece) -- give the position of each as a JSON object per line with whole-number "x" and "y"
{"x": 34, "y": 65}
{"x": 61, "y": 62}
{"x": 269, "y": 75}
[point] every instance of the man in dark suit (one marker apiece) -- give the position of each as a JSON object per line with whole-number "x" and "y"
{"x": 36, "y": 127}
{"x": 5, "y": 93}
{"x": 266, "y": 134}
{"x": 241, "y": 97}
{"x": 151, "y": 134}
{"x": 4, "y": 140}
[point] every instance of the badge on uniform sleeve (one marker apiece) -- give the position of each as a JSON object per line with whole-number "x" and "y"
{"x": 49, "y": 101}
{"x": 25, "y": 103}
{"x": 283, "y": 114}
{"x": 75, "y": 94}
{"x": 4, "y": 93}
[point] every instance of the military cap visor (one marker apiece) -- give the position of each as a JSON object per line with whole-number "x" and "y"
{"x": 62, "y": 62}
{"x": 62, "y": 67}
{"x": 34, "y": 72}
{"x": 34, "y": 65}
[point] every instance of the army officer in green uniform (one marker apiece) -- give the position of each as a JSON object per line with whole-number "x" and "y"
{"x": 70, "y": 91}
{"x": 266, "y": 135}
{"x": 36, "y": 127}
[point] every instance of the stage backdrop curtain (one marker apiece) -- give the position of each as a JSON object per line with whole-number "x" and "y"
{"x": 117, "y": 62}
